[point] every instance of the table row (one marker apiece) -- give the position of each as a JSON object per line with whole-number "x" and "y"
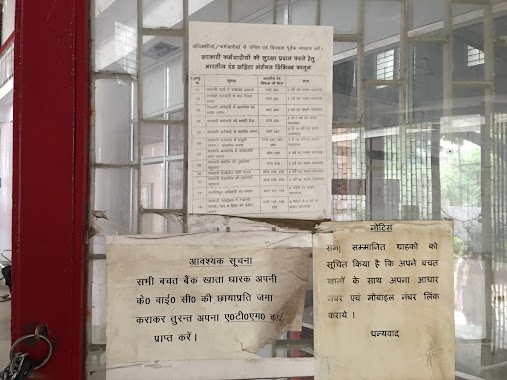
{"x": 291, "y": 102}
{"x": 291, "y": 191}
{"x": 254, "y": 205}
{"x": 228, "y": 80}
{"x": 256, "y": 164}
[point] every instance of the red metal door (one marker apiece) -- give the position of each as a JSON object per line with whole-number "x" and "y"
{"x": 51, "y": 123}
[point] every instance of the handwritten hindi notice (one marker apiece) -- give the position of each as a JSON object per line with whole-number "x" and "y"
{"x": 170, "y": 302}
{"x": 260, "y": 110}
{"x": 384, "y": 300}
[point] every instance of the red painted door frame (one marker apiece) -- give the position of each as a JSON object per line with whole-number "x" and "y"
{"x": 51, "y": 124}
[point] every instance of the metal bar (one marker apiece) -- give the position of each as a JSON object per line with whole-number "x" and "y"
{"x": 274, "y": 11}
{"x": 159, "y": 160}
{"x": 360, "y": 63}
{"x": 402, "y": 104}
{"x": 347, "y": 38}
{"x": 162, "y": 122}
{"x": 112, "y": 75}
{"x": 229, "y": 10}
{"x": 360, "y": 164}
{"x": 186, "y": 127}
{"x": 472, "y": 83}
{"x": 383, "y": 82}
{"x": 486, "y": 190}
{"x": 97, "y": 256}
{"x": 140, "y": 112}
{"x": 162, "y": 32}
{"x": 289, "y": 12}
{"x": 346, "y": 125}
{"x": 162, "y": 211}
{"x": 471, "y": 2}
{"x": 448, "y": 62}
{"x": 436, "y": 190}
{"x": 113, "y": 166}
{"x": 427, "y": 39}
{"x": 318, "y": 12}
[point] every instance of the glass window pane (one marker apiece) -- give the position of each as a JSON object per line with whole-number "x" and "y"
{"x": 175, "y": 183}
{"x": 208, "y": 10}
{"x": 153, "y": 186}
{"x": 162, "y": 13}
{"x": 115, "y": 201}
{"x": 302, "y": 12}
{"x": 344, "y": 50}
{"x": 427, "y": 83}
{"x": 153, "y": 223}
{"x": 246, "y": 10}
{"x": 426, "y": 12}
{"x": 175, "y": 91}
{"x": 342, "y": 14}
{"x": 114, "y": 121}
{"x": 154, "y": 91}
{"x": 385, "y": 13}
{"x": 153, "y": 141}
{"x": 98, "y": 302}
{"x": 162, "y": 75}
{"x": 383, "y": 64}
{"x": 157, "y": 50}
{"x": 115, "y": 35}
{"x": 345, "y": 92}
{"x": 175, "y": 140}
{"x": 349, "y": 174}
{"x": 468, "y": 52}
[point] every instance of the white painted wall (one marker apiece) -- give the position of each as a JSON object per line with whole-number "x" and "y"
{"x": 9, "y": 10}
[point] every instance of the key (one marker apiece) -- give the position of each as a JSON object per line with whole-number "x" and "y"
{"x": 21, "y": 367}
{"x": 26, "y": 368}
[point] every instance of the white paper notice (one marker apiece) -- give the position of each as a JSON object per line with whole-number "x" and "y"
{"x": 260, "y": 103}
{"x": 384, "y": 301}
{"x": 173, "y": 301}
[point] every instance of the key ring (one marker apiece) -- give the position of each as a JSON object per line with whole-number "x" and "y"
{"x": 37, "y": 336}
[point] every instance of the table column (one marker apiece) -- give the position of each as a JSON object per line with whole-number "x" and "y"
{"x": 273, "y": 143}
{"x": 232, "y": 129}
{"x": 306, "y": 129}
{"x": 198, "y": 138}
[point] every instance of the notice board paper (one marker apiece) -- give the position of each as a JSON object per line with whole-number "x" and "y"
{"x": 181, "y": 301}
{"x": 260, "y": 114}
{"x": 384, "y": 300}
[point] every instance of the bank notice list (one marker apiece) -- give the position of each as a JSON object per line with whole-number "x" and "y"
{"x": 260, "y": 104}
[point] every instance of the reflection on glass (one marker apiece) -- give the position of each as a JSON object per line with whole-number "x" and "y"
{"x": 345, "y": 92}
{"x": 115, "y": 36}
{"x": 153, "y": 141}
{"x": 400, "y": 157}
{"x": 162, "y": 13}
{"x": 114, "y": 127}
{"x": 153, "y": 189}
{"x": 175, "y": 184}
{"x": 115, "y": 195}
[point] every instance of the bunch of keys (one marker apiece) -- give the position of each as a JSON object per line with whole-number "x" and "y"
{"x": 20, "y": 367}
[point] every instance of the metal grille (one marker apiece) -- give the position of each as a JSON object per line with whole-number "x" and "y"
{"x": 383, "y": 169}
